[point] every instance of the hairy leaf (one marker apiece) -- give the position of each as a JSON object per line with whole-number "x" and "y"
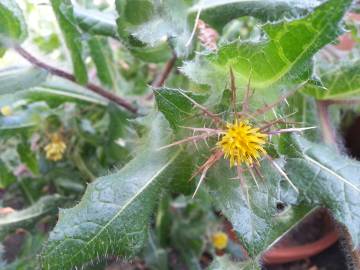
{"x": 175, "y": 105}
{"x": 337, "y": 83}
{"x": 174, "y": 20}
{"x": 218, "y": 13}
{"x": 96, "y": 22}
{"x": 167, "y": 20}
{"x": 283, "y": 56}
{"x": 128, "y": 20}
{"x": 328, "y": 179}
{"x": 305, "y": 111}
{"x": 65, "y": 16}
{"x": 113, "y": 215}
{"x": 253, "y": 212}
{"x": 12, "y": 23}
{"x": 27, "y": 217}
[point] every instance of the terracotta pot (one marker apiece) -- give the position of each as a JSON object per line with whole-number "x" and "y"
{"x": 289, "y": 250}
{"x": 296, "y": 253}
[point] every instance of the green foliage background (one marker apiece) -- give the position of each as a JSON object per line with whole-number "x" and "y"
{"x": 118, "y": 194}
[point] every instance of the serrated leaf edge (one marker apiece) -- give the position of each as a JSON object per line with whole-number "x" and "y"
{"x": 121, "y": 209}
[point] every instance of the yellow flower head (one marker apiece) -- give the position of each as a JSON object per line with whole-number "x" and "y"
{"x": 242, "y": 143}
{"x": 239, "y": 141}
{"x": 56, "y": 148}
{"x": 6, "y": 111}
{"x": 220, "y": 240}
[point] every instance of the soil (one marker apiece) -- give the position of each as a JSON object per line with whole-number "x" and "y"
{"x": 351, "y": 138}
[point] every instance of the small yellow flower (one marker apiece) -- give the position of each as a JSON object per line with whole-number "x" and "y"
{"x": 56, "y": 148}
{"x": 242, "y": 143}
{"x": 220, "y": 240}
{"x": 6, "y": 111}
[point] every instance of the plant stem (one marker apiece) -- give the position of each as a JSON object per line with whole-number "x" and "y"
{"x": 160, "y": 79}
{"x": 327, "y": 130}
{"x": 81, "y": 166}
{"x": 26, "y": 191}
{"x": 68, "y": 76}
{"x": 342, "y": 101}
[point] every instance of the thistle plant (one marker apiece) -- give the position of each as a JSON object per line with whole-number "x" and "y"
{"x": 240, "y": 141}
{"x": 198, "y": 133}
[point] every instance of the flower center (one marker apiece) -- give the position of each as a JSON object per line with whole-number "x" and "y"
{"x": 220, "y": 240}
{"x": 242, "y": 143}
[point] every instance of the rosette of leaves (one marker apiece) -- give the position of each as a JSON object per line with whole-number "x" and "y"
{"x": 115, "y": 212}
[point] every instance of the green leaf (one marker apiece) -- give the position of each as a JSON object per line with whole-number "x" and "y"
{"x": 254, "y": 213}
{"x": 337, "y": 83}
{"x": 155, "y": 256}
{"x": 56, "y": 91}
{"x": 104, "y": 23}
{"x": 175, "y": 105}
{"x": 173, "y": 20}
{"x": 116, "y": 146}
{"x": 305, "y": 111}
{"x": 96, "y": 22}
{"x": 282, "y": 57}
{"x": 12, "y": 23}
{"x": 27, "y": 217}
{"x": 28, "y": 157}
{"x": 218, "y": 13}
{"x": 166, "y": 20}
{"x": 23, "y": 119}
{"x": 113, "y": 215}
{"x": 15, "y": 79}
{"x": 47, "y": 44}
{"x": 128, "y": 20}
{"x": 64, "y": 13}
{"x": 328, "y": 179}
{"x": 157, "y": 54}
{"x": 6, "y": 176}
{"x": 190, "y": 223}
{"x": 97, "y": 51}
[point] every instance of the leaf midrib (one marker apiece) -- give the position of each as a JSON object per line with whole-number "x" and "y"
{"x": 172, "y": 103}
{"x": 122, "y": 208}
{"x": 287, "y": 68}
